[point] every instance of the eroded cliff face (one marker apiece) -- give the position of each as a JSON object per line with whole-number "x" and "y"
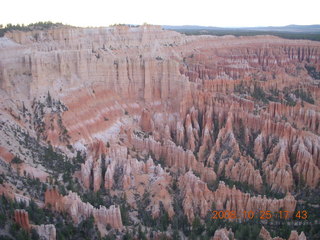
{"x": 225, "y": 234}
{"x": 265, "y": 235}
{"x": 147, "y": 107}
{"x": 79, "y": 210}
{"x": 132, "y": 176}
{"x": 21, "y": 217}
{"x": 46, "y": 232}
{"x": 198, "y": 196}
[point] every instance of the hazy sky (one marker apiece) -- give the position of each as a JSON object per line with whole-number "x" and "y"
{"x": 163, "y": 12}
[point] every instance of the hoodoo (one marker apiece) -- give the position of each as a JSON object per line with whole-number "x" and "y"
{"x": 139, "y": 131}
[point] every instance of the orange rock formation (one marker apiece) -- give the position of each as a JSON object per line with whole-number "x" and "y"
{"x": 136, "y": 97}
{"x": 265, "y": 235}
{"x": 79, "y": 210}
{"x": 22, "y": 218}
{"x": 198, "y": 196}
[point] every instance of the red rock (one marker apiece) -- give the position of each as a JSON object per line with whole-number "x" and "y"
{"x": 305, "y": 166}
{"x": 174, "y": 156}
{"x": 198, "y": 196}
{"x": 242, "y": 171}
{"x": 86, "y": 172}
{"x": 47, "y": 232}
{"x": 188, "y": 85}
{"x": 265, "y": 235}
{"x": 52, "y": 197}
{"x": 21, "y": 217}
{"x": 5, "y": 154}
{"x": 180, "y": 133}
{"x": 189, "y": 134}
{"x": 277, "y": 168}
{"x": 79, "y": 210}
{"x": 137, "y": 177}
{"x": 146, "y": 122}
{"x": 225, "y": 138}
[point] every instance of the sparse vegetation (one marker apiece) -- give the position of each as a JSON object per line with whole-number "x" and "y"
{"x": 16, "y": 160}
{"x": 304, "y": 95}
{"x": 241, "y": 88}
{"x": 138, "y": 217}
{"x": 144, "y": 213}
{"x": 244, "y": 32}
{"x": 33, "y": 26}
{"x": 63, "y": 223}
{"x": 2, "y": 178}
{"x": 259, "y": 94}
{"x": 289, "y": 100}
{"x": 313, "y": 72}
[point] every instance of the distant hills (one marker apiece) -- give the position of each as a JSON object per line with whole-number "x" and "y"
{"x": 289, "y": 28}
{"x": 311, "y": 32}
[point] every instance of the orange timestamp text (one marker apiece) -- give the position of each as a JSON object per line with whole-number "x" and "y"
{"x": 262, "y": 215}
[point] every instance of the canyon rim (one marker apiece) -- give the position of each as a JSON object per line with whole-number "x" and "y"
{"x": 140, "y": 133}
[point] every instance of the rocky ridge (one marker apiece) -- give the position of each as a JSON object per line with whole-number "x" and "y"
{"x": 79, "y": 210}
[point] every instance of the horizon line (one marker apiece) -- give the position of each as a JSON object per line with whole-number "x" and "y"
{"x": 164, "y": 25}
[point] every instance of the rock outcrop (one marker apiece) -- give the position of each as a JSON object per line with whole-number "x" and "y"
{"x": 21, "y": 217}
{"x": 91, "y": 170}
{"x": 241, "y": 171}
{"x": 136, "y": 177}
{"x": 79, "y": 210}
{"x": 174, "y": 156}
{"x": 198, "y": 196}
{"x": 131, "y": 70}
{"x": 147, "y": 106}
{"x": 46, "y": 232}
{"x": 146, "y": 121}
{"x": 277, "y": 168}
{"x": 295, "y": 236}
{"x": 265, "y": 235}
{"x": 223, "y": 234}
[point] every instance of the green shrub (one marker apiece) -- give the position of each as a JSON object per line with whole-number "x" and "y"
{"x": 289, "y": 100}
{"x": 312, "y": 72}
{"x": 303, "y": 95}
{"x": 16, "y": 160}
{"x": 33, "y": 26}
{"x": 259, "y": 94}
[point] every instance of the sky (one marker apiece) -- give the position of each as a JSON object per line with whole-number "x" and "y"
{"x": 221, "y": 13}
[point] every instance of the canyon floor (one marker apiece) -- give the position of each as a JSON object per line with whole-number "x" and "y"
{"x": 144, "y": 133}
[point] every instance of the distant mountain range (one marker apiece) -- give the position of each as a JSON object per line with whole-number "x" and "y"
{"x": 290, "y": 28}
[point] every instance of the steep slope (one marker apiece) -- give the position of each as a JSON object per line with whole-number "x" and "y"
{"x": 151, "y": 127}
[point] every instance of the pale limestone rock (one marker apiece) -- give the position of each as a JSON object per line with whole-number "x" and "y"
{"x": 79, "y": 210}
{"x": 265, "y": 235}
{"x": 223, "y": 234}
{"x": 294, "y": 236}
{"x": 46, "y": 232}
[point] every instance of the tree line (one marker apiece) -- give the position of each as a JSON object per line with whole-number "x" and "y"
{"x": 33, "y": 26}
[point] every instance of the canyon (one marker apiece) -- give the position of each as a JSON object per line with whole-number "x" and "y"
{"x": 144, "y": 118}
